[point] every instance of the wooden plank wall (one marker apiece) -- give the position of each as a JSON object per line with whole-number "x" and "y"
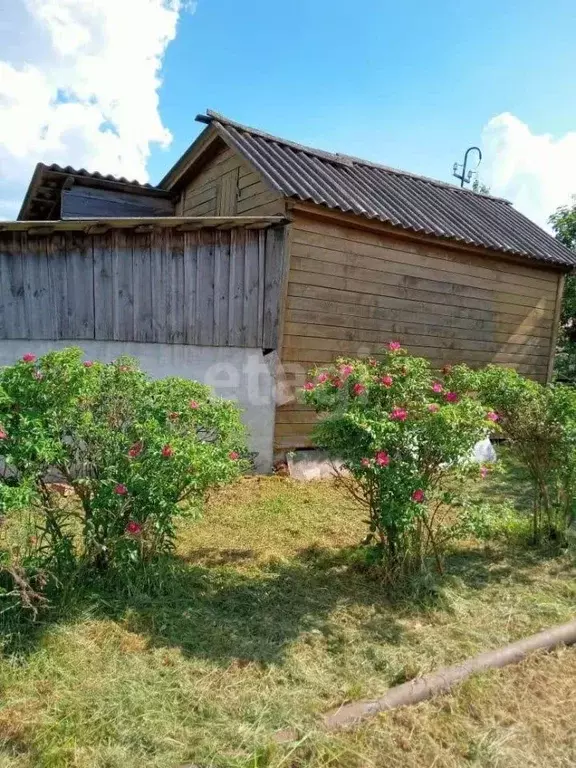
{"x": 351, "y": 290}
{"x": 227, "y": 186}
{"x": 204, "y": 287}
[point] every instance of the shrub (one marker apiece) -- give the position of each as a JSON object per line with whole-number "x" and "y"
{"x": 405, "y": 438}
{"x": 539, "y": 425}
{"x": 123, "y": 452}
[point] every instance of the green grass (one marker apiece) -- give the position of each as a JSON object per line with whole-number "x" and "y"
{"x": 265, "y": 620}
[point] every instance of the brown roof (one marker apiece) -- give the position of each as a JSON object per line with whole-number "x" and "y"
{"x": 414, "y": 203}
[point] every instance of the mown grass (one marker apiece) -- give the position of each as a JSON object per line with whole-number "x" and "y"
{"x": 264, "y": 620}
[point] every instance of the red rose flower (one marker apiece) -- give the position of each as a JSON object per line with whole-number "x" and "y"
{"x": 437, "y": 387}
{"x": 193, "y": 404}
{"x": 452, "y": 397}
{"x": 336, "y": 382}
{"x": 386, "y": 381}
{"x": 309, "y": 386}
{"x": 492, "y": 416}
{"x": 418, "y": 496}
{"x": 121, "y": 489}
{"x": 382, "y": 459}
{"x": 394, "y": 346}
{"x": 135, "y": 450}
{"x": 3, "y": 434}
{"x": 28, "y": 357}
{"x": 133, "y": 528}
{"x": 322, "y": 377}
{"x": 346, "y": 370}
{"x": 87, "y": 363}
{"x": 234, "y": 455}
{"x": 358, "y": 389}
{"x": 167, "y": 451}
{"x": 399, "y": 414}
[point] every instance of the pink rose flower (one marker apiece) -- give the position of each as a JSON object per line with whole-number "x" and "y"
{"x": 382, "y": 459}
{"x": 386, "y": 381}
{"x": 28, "y": 357}
{"x": 322, "y": 377}
{"x": 121, "y": 489}
{"x": 452, "y": 397}
{"x": 193, "y": 404}
{"x": 358, "y": 389}
{"x": 394, "y": 346}
{"x": 167, "y": 451}
{"x": 234, "y": 455}
{"x": 87, "y": 363}
{"x": 399, "y": 414}
{"x": 492, "y": 416}
{"x": 135, "y": 450}
{"x": 133, "y": 528}
{"x": 365, "y": 462}
{"x": 346, "y": 370}
{"x": 433, "y": 407}
{"x": 309, "y": 386}
{"x": 418, "y": 496}
{"x": 437, "y": 387}
{"x": 3, "y": 434}
{"x": 336, "y": 382}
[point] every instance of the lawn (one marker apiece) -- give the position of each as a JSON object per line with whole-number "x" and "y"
{"x": 264, "y": 620}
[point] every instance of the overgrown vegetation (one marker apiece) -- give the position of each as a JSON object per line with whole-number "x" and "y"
{"x": 263, "y": 618}
{"x": 101, "y": 458}
{"x": 539, "y": 425}
{"x": 142, "y": 635}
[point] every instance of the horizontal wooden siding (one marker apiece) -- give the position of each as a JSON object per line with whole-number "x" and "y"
{"x": 227, "y": 186}
{"x": 350, "y": 291}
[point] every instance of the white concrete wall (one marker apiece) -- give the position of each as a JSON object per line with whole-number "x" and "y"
{"x": 244, "y": 375}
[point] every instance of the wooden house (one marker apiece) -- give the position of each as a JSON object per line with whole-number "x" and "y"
{"x": 366, "y": 254}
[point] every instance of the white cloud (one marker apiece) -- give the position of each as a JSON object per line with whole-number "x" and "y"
{"x": 79, "y": 86}
{"x": 536, "y": 172}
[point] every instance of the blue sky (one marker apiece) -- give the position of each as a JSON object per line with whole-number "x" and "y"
{"x": 408, "y": 84}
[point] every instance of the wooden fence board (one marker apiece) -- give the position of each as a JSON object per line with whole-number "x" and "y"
{"x": 208, "y": 287}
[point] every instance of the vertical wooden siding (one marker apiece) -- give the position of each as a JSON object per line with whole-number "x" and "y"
{"x": 227, "y": 186}
{"x": 350, "y": 291}
{"x": 205, "y": 287}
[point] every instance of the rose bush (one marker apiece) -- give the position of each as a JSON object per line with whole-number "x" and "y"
{"x": 405, "y": 436}
{"x": 106, "y": 456}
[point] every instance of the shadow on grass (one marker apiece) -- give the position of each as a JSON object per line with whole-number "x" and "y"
{"x": 226, "y": 615}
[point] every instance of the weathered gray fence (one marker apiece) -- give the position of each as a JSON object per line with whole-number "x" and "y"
{"x": 206, "y": 287}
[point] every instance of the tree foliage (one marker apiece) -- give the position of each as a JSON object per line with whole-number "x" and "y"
{"x": 563, "y": 222}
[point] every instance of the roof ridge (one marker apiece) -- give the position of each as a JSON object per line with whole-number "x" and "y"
{"x": 340, "y": 158}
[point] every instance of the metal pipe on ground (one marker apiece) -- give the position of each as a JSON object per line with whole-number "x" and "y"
{"x": 423, "y": 688}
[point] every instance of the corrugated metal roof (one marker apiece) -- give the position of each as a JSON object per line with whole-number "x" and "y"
{"x": 414, "y": 203}
{"x": 94, "y": 175}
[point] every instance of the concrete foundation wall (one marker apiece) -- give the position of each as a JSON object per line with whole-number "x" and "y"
{"x": 235, "y": 373}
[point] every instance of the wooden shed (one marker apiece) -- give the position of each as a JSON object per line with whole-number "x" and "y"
{"x": 370, "y": 253}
